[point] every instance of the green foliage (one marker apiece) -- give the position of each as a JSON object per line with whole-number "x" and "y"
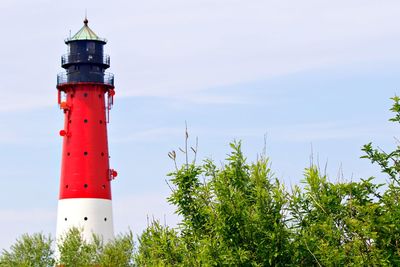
{"x": 388, "y": 223}
{"x": 230, "y": 216}
{"x": 29, "y": 251}
{"x": 160, "y": 246}
{"x": 75, "y": 251}
{"x": 36, "y": 251}
{"x": 334, "y": 224}
{"x": 118, "y": 253}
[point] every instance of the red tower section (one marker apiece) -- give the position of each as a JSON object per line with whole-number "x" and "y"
{"x": 85, "y": 171}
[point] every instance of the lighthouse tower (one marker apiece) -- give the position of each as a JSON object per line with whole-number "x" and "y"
{"x": 85, "y": 95}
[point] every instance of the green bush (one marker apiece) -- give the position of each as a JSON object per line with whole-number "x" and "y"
{"x": 29, "y": 251}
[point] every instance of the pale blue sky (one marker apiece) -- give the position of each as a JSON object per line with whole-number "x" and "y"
{"x": 306, "y": 73}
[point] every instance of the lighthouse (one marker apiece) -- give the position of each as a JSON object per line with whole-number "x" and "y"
{"x": 85, "y": 95}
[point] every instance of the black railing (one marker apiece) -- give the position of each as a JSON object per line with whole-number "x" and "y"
{"x": 62, "y": 78}
{"x": 85, "y": 58}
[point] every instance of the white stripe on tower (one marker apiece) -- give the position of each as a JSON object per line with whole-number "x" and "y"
{"x": 92, "y": 215}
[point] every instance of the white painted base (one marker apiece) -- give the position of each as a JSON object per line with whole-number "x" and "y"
{"x": 98, "y": 213}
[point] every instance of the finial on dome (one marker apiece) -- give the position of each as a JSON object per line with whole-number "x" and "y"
{"x": 86, "y": 20}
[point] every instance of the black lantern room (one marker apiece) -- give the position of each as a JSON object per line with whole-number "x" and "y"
{"x": 85, "y": 60}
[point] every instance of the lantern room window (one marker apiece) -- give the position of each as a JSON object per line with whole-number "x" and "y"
{"x": 90, "y": 47}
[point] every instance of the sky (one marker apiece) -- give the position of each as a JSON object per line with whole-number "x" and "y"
{"x": 314, "y": 77}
